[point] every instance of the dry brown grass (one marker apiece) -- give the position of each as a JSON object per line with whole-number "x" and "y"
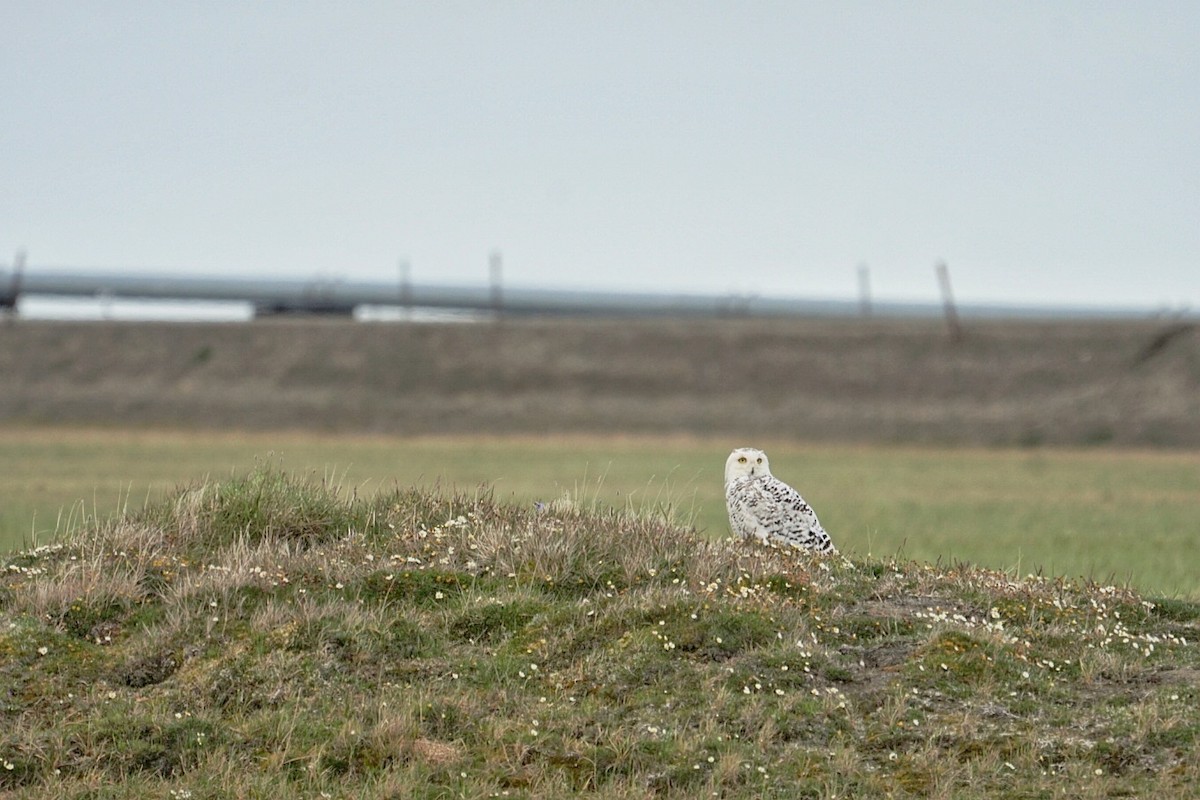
{"x": 841, "y": 380}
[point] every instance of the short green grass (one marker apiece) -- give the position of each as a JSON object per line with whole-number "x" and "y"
{"x": 269, "y": 636}
{"x": 1111, "y": 515}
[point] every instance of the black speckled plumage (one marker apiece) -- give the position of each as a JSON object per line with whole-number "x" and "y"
{"x": 762, "y": 506}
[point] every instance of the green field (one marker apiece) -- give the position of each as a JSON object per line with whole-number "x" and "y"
{"x": 1113, "y": 516}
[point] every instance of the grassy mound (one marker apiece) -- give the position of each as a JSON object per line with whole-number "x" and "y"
{"x": 269, "y": 637}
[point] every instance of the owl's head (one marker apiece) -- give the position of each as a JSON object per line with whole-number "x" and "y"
{"x": 746, "y": 462}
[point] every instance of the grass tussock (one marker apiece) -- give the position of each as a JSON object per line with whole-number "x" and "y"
{"x": 268, "y": 636}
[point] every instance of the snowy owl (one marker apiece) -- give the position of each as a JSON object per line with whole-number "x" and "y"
{"x": 761, "y": 505}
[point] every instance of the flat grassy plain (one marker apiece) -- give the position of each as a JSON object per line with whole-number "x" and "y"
{"x": 1114, "y": 516}
{"x": 1005, "y": 384}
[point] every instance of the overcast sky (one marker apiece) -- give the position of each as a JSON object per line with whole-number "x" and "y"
{"x": 1048, "y": 151}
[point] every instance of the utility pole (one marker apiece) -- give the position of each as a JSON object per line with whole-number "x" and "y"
{"x": 405, "y": 269}
{"x": 864, "y": 290}
{"x": 495, "y": 268}
{"x": 406, "y": 300}
{"x": 943, "y": 273}
{"x": 9, "y": 297}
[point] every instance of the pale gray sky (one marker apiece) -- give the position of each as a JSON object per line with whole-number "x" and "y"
{"x": 1048, "y": 151}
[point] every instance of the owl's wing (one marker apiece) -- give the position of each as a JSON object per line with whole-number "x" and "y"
{"x": 789, "y": 518}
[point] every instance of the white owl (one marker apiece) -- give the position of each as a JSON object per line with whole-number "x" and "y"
{"x": 763, "y": 506}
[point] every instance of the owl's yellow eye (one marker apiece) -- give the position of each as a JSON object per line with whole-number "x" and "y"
{"x": 760, "y": 461}
{"x": 741, "y": 459}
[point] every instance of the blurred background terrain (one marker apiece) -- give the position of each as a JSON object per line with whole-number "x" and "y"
{"x": 1128, "y": 383}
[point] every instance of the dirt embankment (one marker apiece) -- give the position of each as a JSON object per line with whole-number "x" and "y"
{"x": 1128, "y": 383}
